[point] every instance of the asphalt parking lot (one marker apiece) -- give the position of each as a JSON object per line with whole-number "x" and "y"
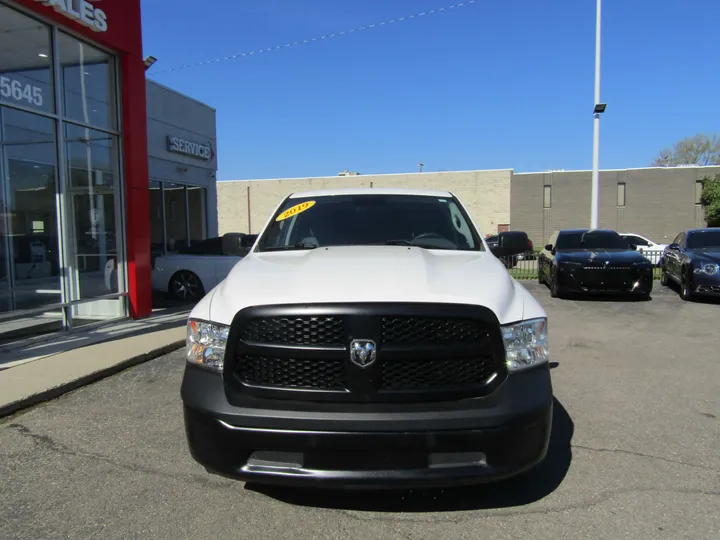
{"x": 635, "y": 452}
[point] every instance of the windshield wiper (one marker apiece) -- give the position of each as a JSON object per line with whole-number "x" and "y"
{"x": 398, "y": 243}
{"x": 427, "y": 245}
{"x": 298, "y": 246}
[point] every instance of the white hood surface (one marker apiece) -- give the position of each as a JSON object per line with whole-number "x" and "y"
{"x": 357, "y": 274}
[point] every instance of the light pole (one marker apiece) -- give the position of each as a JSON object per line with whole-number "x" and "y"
{"x": 599, "y": 109}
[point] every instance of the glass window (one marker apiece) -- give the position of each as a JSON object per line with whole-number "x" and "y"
{"x": 635, "y": 240}
{"x": 25, "y": 61}
{"x": 175, "y": 216}
{"x": 704, "y": 239}
{"x": 92, "y": 159}
{"x": 29, "y": 257}
{"x": 621, "y": 194}
{"x": 698, "y": 192}
{"x": 209, "y": 246}
{"x": 88, "y": 83}
{"x": 591, "y": 240}
{"x": 547, "y": 196}
{"x": 196, "y": 213}
{"x": 423, "y": 221}
{"x": 157, "y": 221}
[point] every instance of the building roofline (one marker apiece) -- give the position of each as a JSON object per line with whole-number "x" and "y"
{"x": 621, "y": 170}
{"x": 370, "y": 191}
{"x": 368, "y": 175}
{"x": 180, "y": 94}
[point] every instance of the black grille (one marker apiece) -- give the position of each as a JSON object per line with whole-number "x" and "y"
{"x": 424, "y": 352}
{"x": 610, "y": 267}
{"x": 291, "y": 373}
{"x": 431, "y": 330}
{"x": 304, "y": 330}
{"x": 437, "y": 374}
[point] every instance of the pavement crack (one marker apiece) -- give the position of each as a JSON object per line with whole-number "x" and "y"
{"x": 468, "y": 514}
{"x": 649, "y": 456}
{"x": 50, "y": 444}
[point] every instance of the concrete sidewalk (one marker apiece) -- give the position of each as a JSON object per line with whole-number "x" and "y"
{"x": 44, "y": 370}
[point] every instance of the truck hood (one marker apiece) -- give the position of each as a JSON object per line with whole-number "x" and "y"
{"x": 369, "y": 274}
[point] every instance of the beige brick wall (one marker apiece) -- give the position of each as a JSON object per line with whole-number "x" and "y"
{"x": 660, "y": 202}
{"x": 485, "y": 194}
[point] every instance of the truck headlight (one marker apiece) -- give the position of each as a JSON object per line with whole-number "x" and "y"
{"x": 525, "y": 344}
{"x": 205, "y": 345}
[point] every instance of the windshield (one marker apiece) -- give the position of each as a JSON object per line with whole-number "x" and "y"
{"x": 353, "y": 220}
{"x": 704, "y": 239}
{"x": 591, "y": 240}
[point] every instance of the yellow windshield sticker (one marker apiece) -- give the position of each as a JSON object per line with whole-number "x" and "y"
{"x": 295, "y": 210}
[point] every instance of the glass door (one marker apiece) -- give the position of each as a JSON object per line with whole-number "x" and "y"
{"x": 94, "y": 223}
{"x": 30, "y": 273}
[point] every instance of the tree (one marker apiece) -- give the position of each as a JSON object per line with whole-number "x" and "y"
{"x": 711, "y": 200}
{"x": 698, "y": 150}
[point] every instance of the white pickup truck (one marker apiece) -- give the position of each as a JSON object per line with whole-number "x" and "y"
{"x": 370, "y": 338}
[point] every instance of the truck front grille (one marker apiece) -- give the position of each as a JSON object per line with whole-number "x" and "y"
{"x": 305, "y": 330}
{"x": 424, "y": 352}
{"x": 437, "y": 374}
{"x": 431, "y": 330}
{"x": 291, "y": 373}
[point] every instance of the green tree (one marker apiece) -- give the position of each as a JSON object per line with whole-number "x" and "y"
{"x": 711, "y": 200}
{"x": 698, "y": 150}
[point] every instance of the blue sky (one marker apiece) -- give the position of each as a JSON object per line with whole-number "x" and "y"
{"x": 495, "y": 84}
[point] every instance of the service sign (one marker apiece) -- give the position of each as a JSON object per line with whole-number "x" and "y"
{"x": 177, "y": 145}
{"x": 82, "y": 11}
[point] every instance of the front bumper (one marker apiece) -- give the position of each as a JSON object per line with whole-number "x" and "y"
{"x": 706, "y": 284}
{"x": 576, "y": 279}
{"x": 370, "y": 445}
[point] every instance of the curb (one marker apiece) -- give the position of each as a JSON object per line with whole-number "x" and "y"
{"x": 53, "y": 393}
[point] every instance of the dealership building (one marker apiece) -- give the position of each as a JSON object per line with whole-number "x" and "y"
{"x": 99, "y": 167}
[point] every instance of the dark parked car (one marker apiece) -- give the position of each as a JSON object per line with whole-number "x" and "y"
{"x": 693, "y": 262}
{"x": 593, "y": 261}
{"x": 511, "y": 261}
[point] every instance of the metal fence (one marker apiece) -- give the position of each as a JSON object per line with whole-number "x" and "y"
{"x": 526, "y": 266}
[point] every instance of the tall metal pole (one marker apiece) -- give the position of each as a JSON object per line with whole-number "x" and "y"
{"x": 596, "y": 130}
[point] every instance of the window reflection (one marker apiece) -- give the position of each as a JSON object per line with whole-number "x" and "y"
{"x": 29, "y": 257}
{"x": 25, "y": 62}
{"x": 88, "y": 83}
{"x": 175, "y": 217}
{"x": 157, "y": 234}
{"x": 92, "y": 158}
{"x": 196, "y": 213}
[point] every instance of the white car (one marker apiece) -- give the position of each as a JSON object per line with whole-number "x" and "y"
{"x": 370, "y": 338}
{"x": 189, "y": 274}
{"x": 644, "y": 245}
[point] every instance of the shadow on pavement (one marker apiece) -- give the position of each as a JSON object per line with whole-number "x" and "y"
{"x": 167, "y": 314}
{"x": 531, "y": 487}
{"x": 675, "y": 288}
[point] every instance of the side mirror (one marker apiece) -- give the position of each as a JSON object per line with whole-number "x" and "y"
{"x": 235, "y": 244}
{"x": 549, "y": 247}
{"x": 511, "y": 243}
{"x": 674, "y": 247}
{"x": 633, "y": 247}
